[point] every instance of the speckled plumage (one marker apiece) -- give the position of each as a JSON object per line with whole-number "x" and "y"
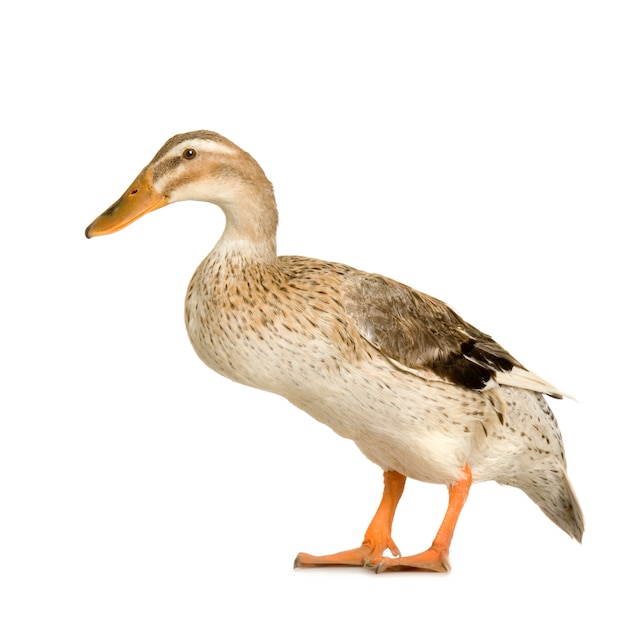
{"x": 421, "y": 392}
{"x": 283, "y": 327}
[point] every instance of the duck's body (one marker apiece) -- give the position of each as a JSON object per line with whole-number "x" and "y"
{"x": 422, "y": 393}
{"x": 308, "y": 349}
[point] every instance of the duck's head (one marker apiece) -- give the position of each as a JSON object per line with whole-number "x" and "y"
{"x": 199, "y": 165}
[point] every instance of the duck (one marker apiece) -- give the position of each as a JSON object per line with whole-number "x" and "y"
{"x": 422, "y": 393}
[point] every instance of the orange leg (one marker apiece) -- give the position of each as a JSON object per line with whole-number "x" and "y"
{"x": 436, "y": 557}
{"x": 377, "y": 537}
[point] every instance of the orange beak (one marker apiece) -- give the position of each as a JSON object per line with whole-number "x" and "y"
{"x": 140, "y": 198}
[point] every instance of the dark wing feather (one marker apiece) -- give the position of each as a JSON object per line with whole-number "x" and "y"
{"x": 422, "y": 332}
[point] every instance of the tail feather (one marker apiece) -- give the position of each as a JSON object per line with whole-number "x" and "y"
{"x": 559, "y": 502}
{"x": 525, "y": 379}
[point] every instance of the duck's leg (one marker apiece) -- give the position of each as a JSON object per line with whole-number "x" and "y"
{"x": 377, "y": 537}
{"x": 436, "y": 557}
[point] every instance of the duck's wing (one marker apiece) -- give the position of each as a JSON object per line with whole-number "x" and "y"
{"x": 418, "y": 332}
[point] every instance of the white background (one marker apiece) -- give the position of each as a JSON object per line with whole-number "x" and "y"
{"x": 474, "y": 150}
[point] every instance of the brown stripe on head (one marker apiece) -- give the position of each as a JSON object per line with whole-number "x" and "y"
{"x": 170, "y": 156}
{"x": 207, "y": 135}
{"x": 161, "y": 168}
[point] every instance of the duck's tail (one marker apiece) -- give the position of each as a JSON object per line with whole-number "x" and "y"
{"x": 558, "y": 501}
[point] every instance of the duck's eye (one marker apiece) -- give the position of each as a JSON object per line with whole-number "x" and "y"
{"x": 189, "y": 153}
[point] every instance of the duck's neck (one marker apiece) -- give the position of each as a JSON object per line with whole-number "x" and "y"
{"x": 250, "y": 231}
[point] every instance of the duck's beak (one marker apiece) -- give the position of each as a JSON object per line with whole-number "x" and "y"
{"x": 140, "y": 198}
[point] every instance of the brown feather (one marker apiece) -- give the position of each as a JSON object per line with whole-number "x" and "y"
{"x": 422, "y": 332}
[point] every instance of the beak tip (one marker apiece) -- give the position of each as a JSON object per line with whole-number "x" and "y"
{"x": 87, "y": 232}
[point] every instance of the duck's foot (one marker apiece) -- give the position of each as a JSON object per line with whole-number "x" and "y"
{"x": 367, "y": 555}
{"x": 435, "y": 559}
{"x": 377, "y": 536}
{"x": 432, "y": 560}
